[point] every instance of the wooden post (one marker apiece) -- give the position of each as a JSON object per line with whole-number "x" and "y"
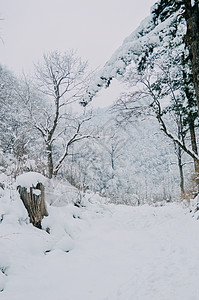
{"x": 34, "y": 201}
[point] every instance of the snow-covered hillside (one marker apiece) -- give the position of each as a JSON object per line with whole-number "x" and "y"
{"x": 98, "y": 252}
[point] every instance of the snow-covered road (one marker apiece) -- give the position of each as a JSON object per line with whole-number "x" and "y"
{"x": 125, "y": 253}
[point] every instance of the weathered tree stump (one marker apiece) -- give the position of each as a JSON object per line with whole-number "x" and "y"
{"x": 33, "y": 198}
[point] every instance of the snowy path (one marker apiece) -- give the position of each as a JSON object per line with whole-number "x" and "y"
{"x": 139, "y": 253}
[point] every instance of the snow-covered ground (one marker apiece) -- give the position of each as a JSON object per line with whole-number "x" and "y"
{"x": 99, "y": 252}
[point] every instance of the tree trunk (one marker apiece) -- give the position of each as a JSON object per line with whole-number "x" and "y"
{"x": 34, "y": 202}
{"x": 50, "y": 160}
{"x": 195, "y": 150}
{"x": 193, "y": 143}
{"x": 192, "y": 41}
{"x": 180, "y": 166}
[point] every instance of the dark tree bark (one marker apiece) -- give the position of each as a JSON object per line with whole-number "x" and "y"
{"x": 50, "y": 160}
{"x": 193, "y": 143}
{"x": 192, "y": 41}
{"x": 180, "y": 166}
{"x": 34, "y": 202}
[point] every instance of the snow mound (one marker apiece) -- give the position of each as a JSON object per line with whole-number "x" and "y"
{"x": 30, "y": 179}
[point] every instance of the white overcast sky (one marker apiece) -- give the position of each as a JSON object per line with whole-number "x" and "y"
{"x": 95, "y": 28}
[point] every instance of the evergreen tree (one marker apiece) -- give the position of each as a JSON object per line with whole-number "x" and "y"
{"x": 171, "y": 23}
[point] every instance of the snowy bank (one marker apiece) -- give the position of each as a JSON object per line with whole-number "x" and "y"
{"x": 30, "y": 179}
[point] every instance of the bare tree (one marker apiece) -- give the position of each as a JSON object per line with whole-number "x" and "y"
{"x": 14, "y": 123}
{"x": 62, "y": 80}
{"x": 149, "y": 96}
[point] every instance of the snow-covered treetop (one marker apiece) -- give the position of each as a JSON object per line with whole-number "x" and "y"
{"x": 141, "y": 42}
{"x": 30, "y": 179}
